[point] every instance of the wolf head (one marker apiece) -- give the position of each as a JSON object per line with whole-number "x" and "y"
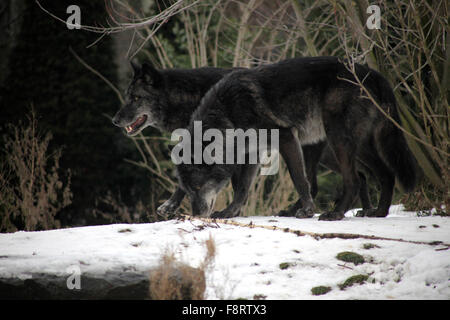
{"x": 145, "y": 100}
{"x": 202, "y": 183}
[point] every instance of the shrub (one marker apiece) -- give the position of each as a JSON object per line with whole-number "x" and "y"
{"x": 31, "y": 191}
{"x": 175, "y": 280}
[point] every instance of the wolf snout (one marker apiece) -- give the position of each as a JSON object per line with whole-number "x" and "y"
{"x": 115, "y": 120}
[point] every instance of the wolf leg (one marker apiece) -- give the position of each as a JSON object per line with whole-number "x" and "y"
{"x": 241, "y": 185}
{"x": 169, "y": 207}
{"x": 364, "y": 192}
{"x": 312, "y": 154}
{"x": 322, "y": 153}
{"x": 292, "y": 153}
{"x": 386, "y": 180}
{"x": 345, "y": 154}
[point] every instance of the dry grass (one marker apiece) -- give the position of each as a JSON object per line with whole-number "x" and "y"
{"x": 173, "y": 280}
{"x": 31, "y": 191}
{"x": 176, "y": 280}
{"x": 112, "y": 209}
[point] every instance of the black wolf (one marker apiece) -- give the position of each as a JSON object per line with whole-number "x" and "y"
{"x": 164, "y": 99}
{"x": 309, "y": 100}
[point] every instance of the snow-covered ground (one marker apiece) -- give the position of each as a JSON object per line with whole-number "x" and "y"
{"x": 248, "y": 260}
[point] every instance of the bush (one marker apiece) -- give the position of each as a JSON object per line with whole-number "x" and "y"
{"x": 176, "y": 280}
{"x": 31, "y": 192}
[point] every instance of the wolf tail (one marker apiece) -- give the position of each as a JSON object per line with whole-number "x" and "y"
{"x": 392, "y": 147}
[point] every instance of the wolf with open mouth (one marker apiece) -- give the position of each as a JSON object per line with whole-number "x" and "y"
{"x": 164, "y": 99}
{"x": 167, "y": 98}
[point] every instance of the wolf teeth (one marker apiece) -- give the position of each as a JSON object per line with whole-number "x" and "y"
{"x": 129, "y": 129}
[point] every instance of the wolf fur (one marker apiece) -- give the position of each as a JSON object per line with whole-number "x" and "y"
{"x": 167, "y": 98}
{"x": 309, "y": 101}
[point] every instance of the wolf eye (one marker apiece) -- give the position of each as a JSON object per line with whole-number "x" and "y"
{"x": 136, "y": 98}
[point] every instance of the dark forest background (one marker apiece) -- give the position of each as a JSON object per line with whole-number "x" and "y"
{"x": 40, "y": 72}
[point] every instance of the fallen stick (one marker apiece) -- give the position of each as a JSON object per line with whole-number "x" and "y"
{"x": 315, "y": 235}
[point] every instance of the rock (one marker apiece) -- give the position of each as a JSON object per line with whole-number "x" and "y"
{"x": 110, "y": 285}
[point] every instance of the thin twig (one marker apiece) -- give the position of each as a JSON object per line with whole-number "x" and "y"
{"x": 113, "y": 87}
{"x": 315, "y": 235}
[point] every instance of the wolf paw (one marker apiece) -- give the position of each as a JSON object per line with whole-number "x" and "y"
{"x": 286, "y": 213}
{"x": 332, "y": 216}
{"x": 373, "y": 213}
{"x": 304, "y": 213}
{"x": 224, "y": 214}
{"x": 294, "y": 211}
{"x": 167, "y": 209}
{"x": 217, "y": 215}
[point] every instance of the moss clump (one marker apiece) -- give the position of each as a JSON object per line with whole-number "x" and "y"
{"x": 368, "y": 246}
{"x": 348, "y": 256}
{"x": 320, "y": 290}
{"x": 285, "y": 265}
{"x": 360, "y": 278}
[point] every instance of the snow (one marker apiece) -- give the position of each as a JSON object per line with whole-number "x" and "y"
{"x": 248, "y": 260}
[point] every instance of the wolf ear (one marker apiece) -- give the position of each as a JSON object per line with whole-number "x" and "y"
{"x": 151, "y": 75}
